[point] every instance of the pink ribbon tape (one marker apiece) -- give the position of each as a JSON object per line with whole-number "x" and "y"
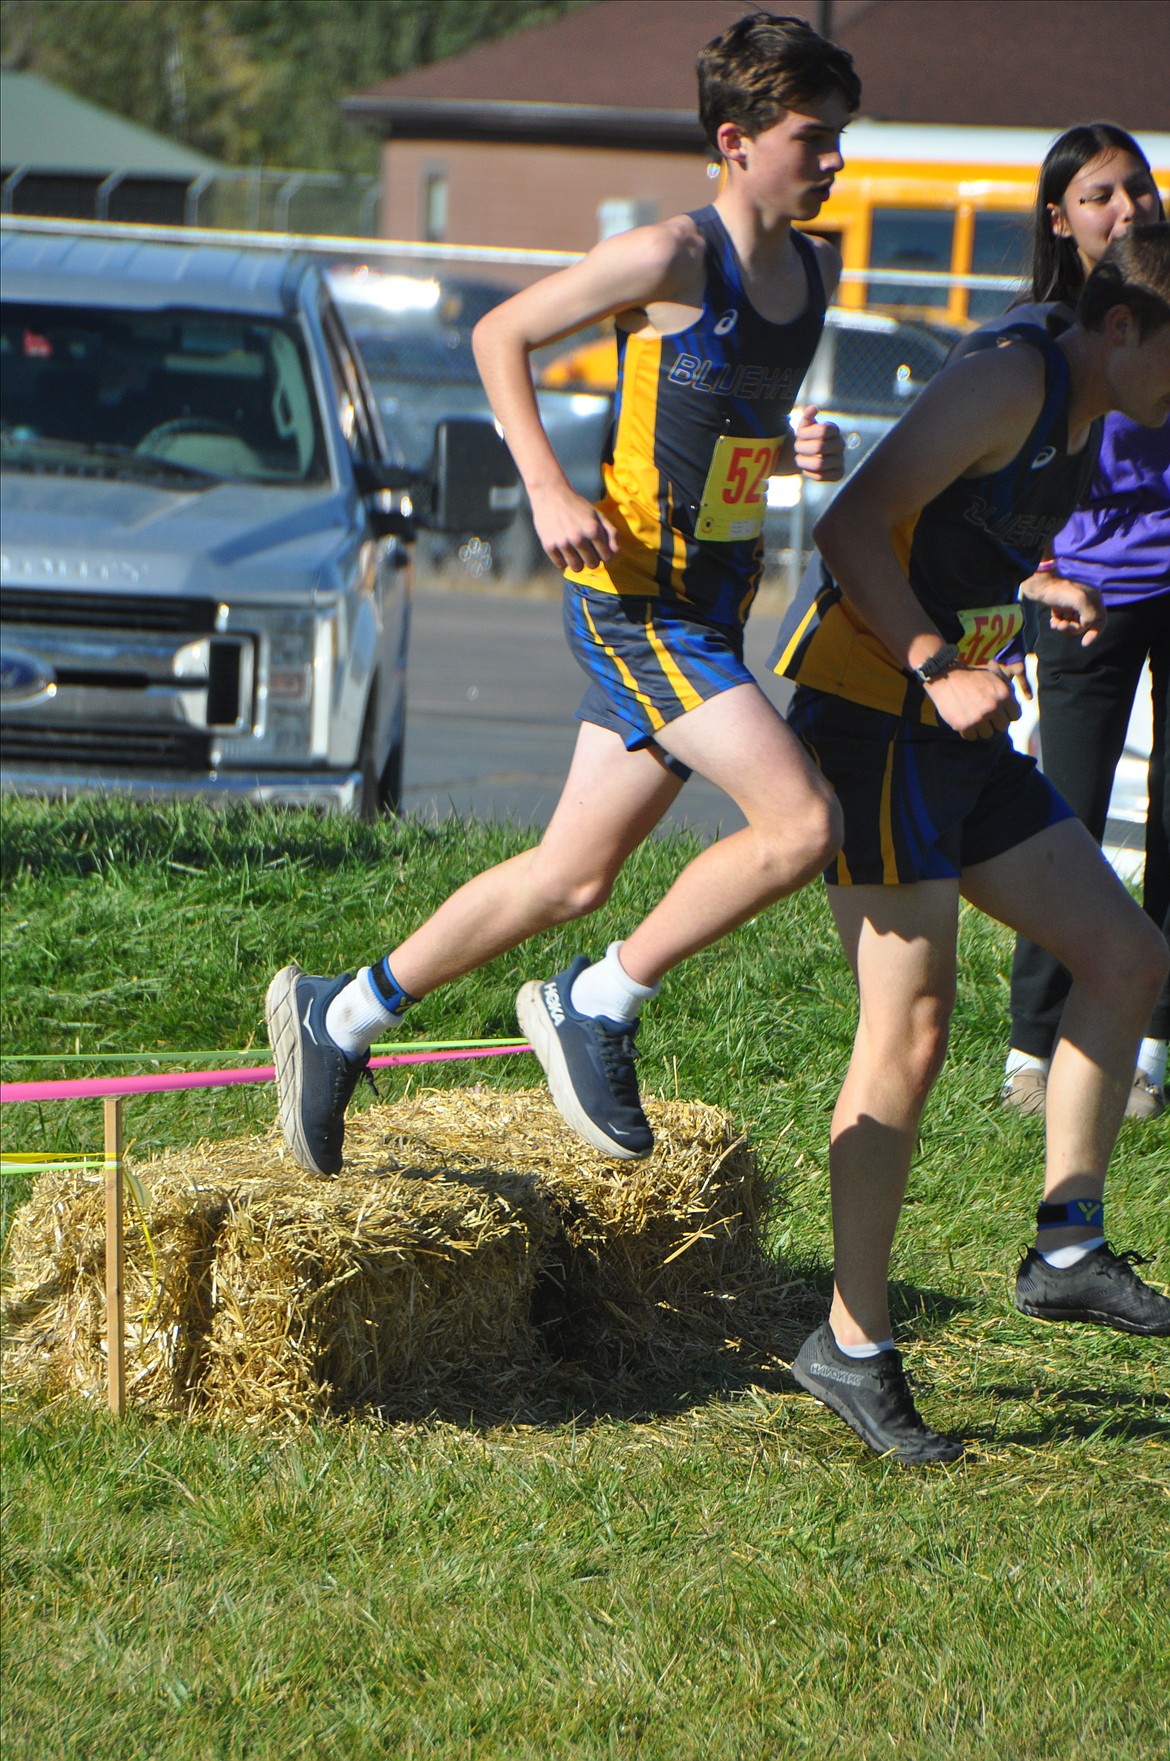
{"x": 75, "y": 1088}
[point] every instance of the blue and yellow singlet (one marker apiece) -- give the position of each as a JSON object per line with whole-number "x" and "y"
{"x": 965, "y": 555}
{"x": 699, "y": 418}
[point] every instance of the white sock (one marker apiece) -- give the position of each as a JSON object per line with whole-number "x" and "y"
{"x": 862, "y": 1351}
{"x": 1063, "y": 1257}
{"x": 1017, "y": 1061}
{"x": 357, "y": 1016}
{"x": 1152, "y": 1061}
{"x": 607, "y": 989}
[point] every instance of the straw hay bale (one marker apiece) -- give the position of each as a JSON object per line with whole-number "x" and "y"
{"x": 649, "y": 1255}
{"x": 369, "y": 1290}
{"x": 471, "y": 1247}
{"x": 55, "y": 1297}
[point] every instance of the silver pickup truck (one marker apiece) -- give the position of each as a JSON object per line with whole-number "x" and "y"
{"x": 205, "y": 543}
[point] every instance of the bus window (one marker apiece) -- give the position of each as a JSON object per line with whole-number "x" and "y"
{"x": 910, "y": 238}
{"x": 999, "y": 247}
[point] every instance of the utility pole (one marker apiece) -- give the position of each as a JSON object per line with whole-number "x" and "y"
{"x": 825, "y": 17}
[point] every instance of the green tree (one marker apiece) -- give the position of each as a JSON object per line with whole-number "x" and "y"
{"x": 249, "y": 81}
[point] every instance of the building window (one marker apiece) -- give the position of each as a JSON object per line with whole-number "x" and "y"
{"x": 435, "y": 207}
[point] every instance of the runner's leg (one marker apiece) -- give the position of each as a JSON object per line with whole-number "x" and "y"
{"x": 1057, "y": 889}
{"x": 900, "y": 942}
{"x": 739, "y": 742}
{"x": 611, "y": 801}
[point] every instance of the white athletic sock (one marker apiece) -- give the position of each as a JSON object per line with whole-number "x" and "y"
{"x": 357, "y": 1016}
{"x": 607, "y": 989}
{"x": 1152, "y": 1061}
{"x": 1063, "y": 1257}
{"x": 1017, "y": 1061}
{"x": 862, "y": 1351}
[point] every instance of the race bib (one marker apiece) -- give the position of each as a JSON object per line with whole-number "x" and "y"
{"x": 987, "y": 630}
{"x": 735, "y": 495}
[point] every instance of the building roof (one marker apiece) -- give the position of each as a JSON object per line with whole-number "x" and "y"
{"x": 51, "y": 130}
{"x": 627, "y": 67}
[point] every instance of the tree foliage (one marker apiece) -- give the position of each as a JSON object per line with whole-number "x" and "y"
{"x": 249, "y": 81}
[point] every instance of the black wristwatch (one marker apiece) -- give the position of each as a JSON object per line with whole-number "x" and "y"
{"x": 943, "y": 661}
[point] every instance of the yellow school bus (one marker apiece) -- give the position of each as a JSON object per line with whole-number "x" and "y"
{"x": 917, "y": 203}
{"x": 919, "y": 200}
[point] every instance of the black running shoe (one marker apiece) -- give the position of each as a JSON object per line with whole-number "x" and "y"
{"x": 871, "y": 1395}
{"x": 1103, "y": 1289}
{"x": 314, "y": 1078}
{"x": 589, "y": 1063}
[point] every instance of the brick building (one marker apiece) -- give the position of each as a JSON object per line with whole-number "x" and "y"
{"x": 563, "y": 132}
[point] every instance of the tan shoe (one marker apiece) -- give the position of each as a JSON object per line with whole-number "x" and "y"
{"x": 1026, "y": 1092}
{"x": 1146, "y": 1100}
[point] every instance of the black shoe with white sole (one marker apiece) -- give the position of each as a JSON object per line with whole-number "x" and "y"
{"x": 314, "y": 1078}
{"x": 589, "y": 1064}
{"x": 871, "y": 1395}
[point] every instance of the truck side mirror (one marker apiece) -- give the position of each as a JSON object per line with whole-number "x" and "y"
{"x": 476, "y": 487}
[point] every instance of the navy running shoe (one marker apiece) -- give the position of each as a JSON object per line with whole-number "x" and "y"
{"x": 589, "y": 1063}
{"x": 871, "y": 1395}
{"x": 1102, "y": 1288}
{"x": 314, "y": 1078}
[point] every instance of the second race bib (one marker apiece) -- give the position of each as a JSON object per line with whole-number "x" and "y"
{"x": 735, "y": 495}
{"x": 987, "y": 630}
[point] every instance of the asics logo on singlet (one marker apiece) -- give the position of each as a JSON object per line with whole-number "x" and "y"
{"x": 722, "y": 380}
{"x": 1044, "y": 457}
{"x": 552, "y": 1002}
{"x": 728, "y": 322}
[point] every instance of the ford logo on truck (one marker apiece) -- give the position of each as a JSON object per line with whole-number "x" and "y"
{"x": 23, "y": 678}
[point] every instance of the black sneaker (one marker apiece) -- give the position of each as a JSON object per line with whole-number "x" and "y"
{"x": 871, "y": 1395}
{"x": 314, "y": 1078}
{"x": 1103, "y": 1288}
{"x": 589, "y": 1063}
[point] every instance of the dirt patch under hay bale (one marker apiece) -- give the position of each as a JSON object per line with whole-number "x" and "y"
{"x": 472, "y": 1254}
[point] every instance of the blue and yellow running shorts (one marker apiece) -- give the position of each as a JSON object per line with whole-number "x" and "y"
{"x": 920, "y": 803}
{"x": 647, "y": 663}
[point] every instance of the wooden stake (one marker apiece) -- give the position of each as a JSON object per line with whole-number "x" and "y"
{"x": 115, "y": 1310}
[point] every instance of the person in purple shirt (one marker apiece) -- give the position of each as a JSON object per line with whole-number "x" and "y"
{"x": 1095, "y": 184}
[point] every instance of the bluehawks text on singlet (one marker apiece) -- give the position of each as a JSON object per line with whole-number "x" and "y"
{"x": 1021, "y": 531}
{"x": 755, "y": 381}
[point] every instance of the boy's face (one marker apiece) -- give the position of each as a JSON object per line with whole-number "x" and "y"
{"x": 1139, "y": 369}
{"x": 789, "y": 168}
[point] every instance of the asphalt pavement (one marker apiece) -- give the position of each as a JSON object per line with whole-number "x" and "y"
{"x": 490, "y": 711}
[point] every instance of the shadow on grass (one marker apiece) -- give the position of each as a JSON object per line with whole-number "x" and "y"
{"x": 1058, "y": 1414}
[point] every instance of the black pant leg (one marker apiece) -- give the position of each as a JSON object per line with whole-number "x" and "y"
{"x": 1086, "y": 695}
{"x": 1156, "y": 889}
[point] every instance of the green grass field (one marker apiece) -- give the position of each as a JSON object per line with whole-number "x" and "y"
{"x": 709, "y": 1569}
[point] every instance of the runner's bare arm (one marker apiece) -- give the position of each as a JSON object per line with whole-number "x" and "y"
{"x": 623, "y": 274}
{"x": 970, "y": 420}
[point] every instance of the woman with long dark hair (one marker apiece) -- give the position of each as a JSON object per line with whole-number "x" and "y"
{"x": 1095, "y": 184}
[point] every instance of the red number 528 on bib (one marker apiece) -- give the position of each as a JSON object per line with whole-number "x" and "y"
{"x": 735, "y": 495}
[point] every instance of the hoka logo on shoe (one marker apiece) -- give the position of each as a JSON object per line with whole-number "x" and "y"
{"x": 552, "y": 1002}
{"x": 307, "y": 1024}
{"x": 850, "y": 1377}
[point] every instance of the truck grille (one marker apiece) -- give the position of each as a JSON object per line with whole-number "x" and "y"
{"x": 111, "y": 748}
{"x": 107, "y": 611}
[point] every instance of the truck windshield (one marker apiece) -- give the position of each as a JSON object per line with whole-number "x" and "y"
{"x": 228, "y": 396}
